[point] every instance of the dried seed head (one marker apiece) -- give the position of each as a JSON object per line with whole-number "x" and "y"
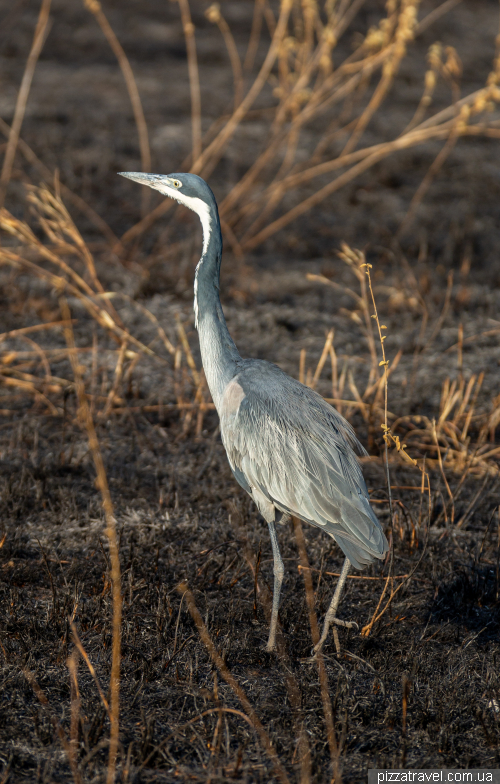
{"x": 453, "y": 64}
{"x": 213, "y": 13}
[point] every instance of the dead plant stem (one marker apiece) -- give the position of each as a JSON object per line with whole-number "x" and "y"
{"x": 194, "y": 79}
{"x": 233, "y": 684}
{"x": 22, "y": 98}
{"x": 320, "y": 661}
{"x": 94, "y": 6}
{"x": 85, "y": 417}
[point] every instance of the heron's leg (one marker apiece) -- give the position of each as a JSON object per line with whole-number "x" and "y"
{"x": 331, "y": 615}
{"x": 279, "y": 571}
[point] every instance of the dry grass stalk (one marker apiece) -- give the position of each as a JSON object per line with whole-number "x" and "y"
{"x": 68, "y": 194}
{"x": 42, "y": 699}
{"x": 72, "y": 665}
{"x": 213, "y": 14}
{"x": 385, "y": 364}
{"x": 86, "y": 421}
{"x": 82, "y": 651}
{"x": 320, "y": 662}
{"x": 219, "y": 709}
{"x": 457, "y": 410}
{"x": 261, "y": 590}
{"x": 79, "y": 288}
{"x": 194, "y": 79}
{"x": 278, "y": 769}
{"x": 308, "y": 87}
{"x": 22, "y": 98}
{"x": 353, "y": 576}
{"x": 205, "y": 163}
{"x": 64, "y": 247}
{"x": 356, "y": 261}
{"x": 366, "y": 630}
{"x": 94, "y": 6}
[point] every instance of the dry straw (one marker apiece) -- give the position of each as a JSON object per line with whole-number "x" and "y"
{"x": 309, "y": 87}
{"x": 22, "y": 98}
{"x": 86, "y": 421}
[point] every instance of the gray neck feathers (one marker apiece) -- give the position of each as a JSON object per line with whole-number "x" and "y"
{"x": 218, "y": 351}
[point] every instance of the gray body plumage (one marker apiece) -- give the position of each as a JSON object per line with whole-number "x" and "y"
{"x": 294, "y": 453}
{"x": 290, "y": 450}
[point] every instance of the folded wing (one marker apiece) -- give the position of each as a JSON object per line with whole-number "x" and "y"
{"x": 293, "y": 452}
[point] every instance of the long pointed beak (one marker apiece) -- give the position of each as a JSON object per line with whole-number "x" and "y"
{"x": 153, "y": 180}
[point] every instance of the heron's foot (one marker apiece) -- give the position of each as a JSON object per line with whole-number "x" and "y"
{"x": 326, "y": 628}
{"x": 271, "y": 646}
{"x": 345, "y": 624}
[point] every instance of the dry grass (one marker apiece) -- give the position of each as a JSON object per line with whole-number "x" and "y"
{"x": 438, "y": 453}
{"x": 309, "y": 89}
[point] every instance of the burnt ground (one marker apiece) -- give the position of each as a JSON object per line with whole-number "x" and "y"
{"x": 180, "y": 515}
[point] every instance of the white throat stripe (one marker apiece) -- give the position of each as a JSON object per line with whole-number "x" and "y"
{"x": 196, "y": 205}
{"x": 202, "y": 210}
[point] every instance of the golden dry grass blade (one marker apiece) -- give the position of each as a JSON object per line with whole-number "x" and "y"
{"x": 410, "y": 140}
{"x": 212, "y": 153}
{"x": 441, "y": 468}
{"x": 403, "y": 33}
{"x": 427, "y": 181}
{"x": 213, "y": 14}
{"x": 187, "y": 351}
{"x": 94, "y": 6}
{"x": 261, "y": 590}
{"x": 83, "y": 652}
{"x": 29, "y": 387}
{"x": 110, "y": 295}
{"x": 253, "y": 41}
{"x": 22, "y": 98}
{"x": 322, "y": 359}
{"x": 14, "y": 333}
{"x": 320, "y": 661}
{"x": 218, "y": 661}
{"x": 117, "y": 379}
{"x": 435, "y": 14}
{"x": 145, "y": 223}
{"x": 194, "y": 79}
{"x": 76, "y": 200}
{"x": 42, "y": 699}
{"x": 102, "y": 317}
{"x": 85, "y": 417}
{"x": 72, "y": 664}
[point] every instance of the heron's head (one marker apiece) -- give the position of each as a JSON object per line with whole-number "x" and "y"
{"x": 187, "y": 189}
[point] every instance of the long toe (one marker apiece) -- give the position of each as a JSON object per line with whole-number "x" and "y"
{"x": 345, "y": 624}
{"x": 271, "y": 643}
{"x": 326, "y": 628}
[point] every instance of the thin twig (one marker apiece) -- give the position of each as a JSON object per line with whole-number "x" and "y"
{"x": 95, "y": 8}
{"x": 22, "y": 98}
{"x": 194, "y": 79}
{"x": 87, "y": 422}
{"x": 315, "y": 635}
{"x": 76, "y": 200}
{"x": 55, "y": 723}
{"x": 233, "y": 684}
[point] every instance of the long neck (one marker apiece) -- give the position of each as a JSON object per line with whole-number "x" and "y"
{"x": 218, "y": 351}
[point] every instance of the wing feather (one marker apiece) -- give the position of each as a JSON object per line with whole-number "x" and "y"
{"x": 285, "y": 441}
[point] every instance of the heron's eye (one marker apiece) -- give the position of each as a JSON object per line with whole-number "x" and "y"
{"x": 177, "y": 183}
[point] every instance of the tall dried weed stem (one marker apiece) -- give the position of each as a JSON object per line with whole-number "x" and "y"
{"x": 65, "y": 264}
{"x": 22, "y": 98}
{"x": 305, "y": 83}
{"x": 87, "y": 422}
